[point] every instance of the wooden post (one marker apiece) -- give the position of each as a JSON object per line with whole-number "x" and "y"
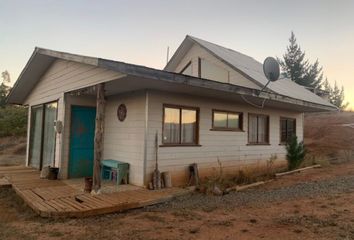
{"x": 98, "y": 150}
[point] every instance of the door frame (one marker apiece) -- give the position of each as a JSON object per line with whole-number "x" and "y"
{"x": 41, "y": 105}
{"x": 69, "y": 140}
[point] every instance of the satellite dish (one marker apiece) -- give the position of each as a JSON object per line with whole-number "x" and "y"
{"x": 271, "y": 69}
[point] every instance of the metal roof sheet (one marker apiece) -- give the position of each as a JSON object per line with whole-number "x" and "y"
{"x": 254, "y": 70}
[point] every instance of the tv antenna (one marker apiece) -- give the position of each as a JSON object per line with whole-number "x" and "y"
{"x": 168, "y": 54}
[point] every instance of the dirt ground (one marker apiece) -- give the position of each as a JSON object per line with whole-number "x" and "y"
{"x": 12, "y": 150}
{"x": 316, "y": 204}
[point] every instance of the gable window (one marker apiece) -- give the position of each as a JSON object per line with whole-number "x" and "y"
{"x": 226, "y": 120}
{"x": 187, "y": 70}
{"x": 209, "y": 70}
{"x": 258, "y": 129}
{"x": 180, "y": 125}
{"x": 287, "y": 129}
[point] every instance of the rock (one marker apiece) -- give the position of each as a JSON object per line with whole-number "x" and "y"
{"x": 216, "y": 191}
{"x": 253, "y": 220}
{"x": 194, "y": 230}
{"x": 45, "y": 172}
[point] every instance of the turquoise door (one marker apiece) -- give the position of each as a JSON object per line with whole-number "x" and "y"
{"x": 82, "y": 135}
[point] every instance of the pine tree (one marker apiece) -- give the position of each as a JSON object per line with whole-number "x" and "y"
{"x": 336, "y": 94}
{"x": 294, "y": 64}
{"x": 313, "y": 76}
{"x": 295, "y": 67}
{"x": 5, "y": 77}
{"x": 4, "y": 89}
{"x": 295, "y": 153}
{"x": 342, "y": 105}
{"x": 337, "y": 97}
{"x": 327, "y": 87}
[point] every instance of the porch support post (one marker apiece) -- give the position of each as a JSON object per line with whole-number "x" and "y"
{"x": 98, "y": 148}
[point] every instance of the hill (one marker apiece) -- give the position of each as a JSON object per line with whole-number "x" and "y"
{"x": 330, "y": 134}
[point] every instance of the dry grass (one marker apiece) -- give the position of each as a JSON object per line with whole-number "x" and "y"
{"x": 11, "y": 200}
{"x": 245, "y": 175}
{"x": 12, "y": 151}
{"x": 330, "y": 135}
{"x": 13, "y": 145}
{"x": 346, "y": 155}
{"x": 13, "y": 208}
{"x": 313, "y": 159}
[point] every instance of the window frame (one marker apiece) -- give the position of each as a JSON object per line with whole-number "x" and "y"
{"x": 280, "y": 130}
{"x": 199, "y": 67}
{"x": 185, "y": 67}
{"x": 42, "y": 106}
{"x": 267, "y": 129}
{"x": 180, "y": 144}
{"x": 240, "y": 117}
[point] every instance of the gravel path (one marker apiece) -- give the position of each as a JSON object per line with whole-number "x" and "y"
{"x": 259, "y": 196}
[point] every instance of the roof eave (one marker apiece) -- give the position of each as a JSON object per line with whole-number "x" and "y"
{"x": 179, "y": 51}
{"x": 172, "y": 77}
{"x": 10, "y": 95}
{"x": 142, "y": 71}
{"x": 11, "y": 99}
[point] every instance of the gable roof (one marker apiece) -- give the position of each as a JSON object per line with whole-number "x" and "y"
{"x": 248, "y": 67}
{"x": 137, "y": 77}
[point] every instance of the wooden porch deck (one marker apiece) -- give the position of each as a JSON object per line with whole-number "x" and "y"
{"x": 55, "y": 198}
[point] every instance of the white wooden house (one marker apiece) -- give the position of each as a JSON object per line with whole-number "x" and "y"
{"x": 205, "y": 105}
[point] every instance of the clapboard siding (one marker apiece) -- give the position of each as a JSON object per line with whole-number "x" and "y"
{"x": 64, "y": 76}
{"x": 196, "y": 51}
{"x": 124, "y": 141}
{"x": 59, "y": 137}
{"x": 230, "y": 147}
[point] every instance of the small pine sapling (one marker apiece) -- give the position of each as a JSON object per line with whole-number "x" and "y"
{"x": 295, "y": 153}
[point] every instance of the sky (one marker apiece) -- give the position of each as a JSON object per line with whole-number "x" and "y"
{"x": 139, "y": 32}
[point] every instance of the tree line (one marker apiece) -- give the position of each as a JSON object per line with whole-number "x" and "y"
{"x": 296, "y": 67}
{"x": 13, "y": 119}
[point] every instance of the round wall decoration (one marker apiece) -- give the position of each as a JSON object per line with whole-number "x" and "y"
{"x": 122, "y": 112}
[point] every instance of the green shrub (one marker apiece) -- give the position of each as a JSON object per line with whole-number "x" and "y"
{"x": 13, "y": 121}
{"x": 295, "y": 153}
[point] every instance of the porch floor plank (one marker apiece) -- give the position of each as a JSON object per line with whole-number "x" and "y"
{"x": 56, "y": 198}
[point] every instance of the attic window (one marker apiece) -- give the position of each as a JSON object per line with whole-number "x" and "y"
{"x": 187, "y": 70}
{"x": 209, "y": 70}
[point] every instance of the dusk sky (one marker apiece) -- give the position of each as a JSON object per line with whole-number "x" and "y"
{"x": 139, "y": 31}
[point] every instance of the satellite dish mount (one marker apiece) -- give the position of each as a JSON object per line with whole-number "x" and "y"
{"x": 271, "y": 71}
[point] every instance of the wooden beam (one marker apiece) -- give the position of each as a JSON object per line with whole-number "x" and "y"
{"x": 297, "y": 170}
{"x": 98, "y": 148}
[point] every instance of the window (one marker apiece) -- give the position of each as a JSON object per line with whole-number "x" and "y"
{"x": 180, "y": 125}
{"x": 226, "y": 121}
{"x": 42, "y": 135}
{"x": 258, "y": 129}
{"x": 35, "y": 143}
{"x": 287, "y": 129}
{"x": 211, "y": 71}
{"x": 187, "y": 70}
